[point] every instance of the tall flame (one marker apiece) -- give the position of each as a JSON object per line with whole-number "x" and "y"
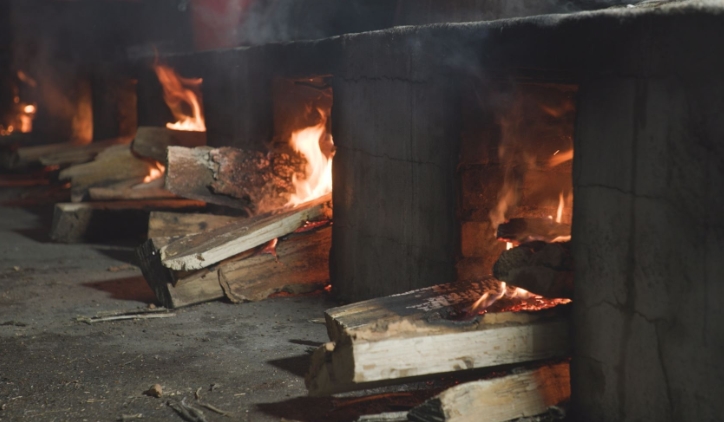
{"x": 182, "y": 97}
{"x": 317, "y": 179}
{"x": 561, "y": 205}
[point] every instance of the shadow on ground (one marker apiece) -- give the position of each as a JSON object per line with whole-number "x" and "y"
{"x": 129, "y": 288}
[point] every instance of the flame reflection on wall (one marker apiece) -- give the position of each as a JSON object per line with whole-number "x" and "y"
{"x": 182, "y": 96}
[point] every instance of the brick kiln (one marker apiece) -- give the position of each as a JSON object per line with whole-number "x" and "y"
{"x": 510, "y": 198}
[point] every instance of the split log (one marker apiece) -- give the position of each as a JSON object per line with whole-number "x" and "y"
{"x": 517, "y": 395}
{"x": 394, "y": 340}
{"x": 232, "y": 177}
{"x": 97, "y": 221}
{"x": 171, "y": 224}
{"x": 300, "y": 266}
{"x": 542, "y": 268}
{"x": 205, "y": 249}
{"x": 153, "y": 142}
{"x": 113, "y": 165}
{"x": 78, "y": 154}
{"x": 521, "y": 230}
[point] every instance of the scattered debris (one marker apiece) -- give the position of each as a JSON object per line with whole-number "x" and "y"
{"x": 186, "y": 411}
{"x": 155, "y": 391}
{"x": 16, "y": 268}
{"x": 213, "y": 387}
{"x": 384, "y": 417}
{"x": 197, "y": 393}
{"x": 119, "y": 268}
{"x": 14, "y": 324}
{"x": 130, "y": 417}
{"x": 215, "y": 409}
{"x": 119, "y": 316}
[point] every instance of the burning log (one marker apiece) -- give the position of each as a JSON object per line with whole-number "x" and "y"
{"x": 521, "y": 230}
{"x": 113, "y": 165}
{"x": 399, "y": 337}
{"x": 300, "y": 265}
{"x": 542, "y": 268}
{"x": 92, "y": 221}
{"x": 232, "y": 177}
{"x": 153, "y": 142}
{"x": 519, "y": 394}
{"x": 172, "y": 224}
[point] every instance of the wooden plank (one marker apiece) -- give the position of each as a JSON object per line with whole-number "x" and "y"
{"x": 205, "y": 249}
{"x": 253, "y": 180}
{"x": 170, "y": 224}
{"x": 517, "y": 395}
{"x": 301, "y": 265}
{"x": 153, "y": 142}
{"x": 92, "y": 221}
{"x": 78, "y": 154}
{"x": 115, "y": 164}
{"x": 131, "y": 190}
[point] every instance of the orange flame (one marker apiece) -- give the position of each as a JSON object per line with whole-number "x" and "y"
{"x": 155, "y": 172}
{"x": 561, "y": 204}
{"x": 317, "y": 179}
{"x": 560, "y": 158}
{"x": 487, "y": 299}
{"x": 181, "y": 97}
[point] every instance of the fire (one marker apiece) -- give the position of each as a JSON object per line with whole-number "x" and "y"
{"x": 560, "y": 158}
{"x": 317, "y": 179}
{"x": 182, "y": 97}
{"x": 561, "y": 205}
{"x": 487, "y": 299}
{"x": 155, "y": 173}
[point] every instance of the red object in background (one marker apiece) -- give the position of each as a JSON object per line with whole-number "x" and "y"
{"x": 216, "y": 22}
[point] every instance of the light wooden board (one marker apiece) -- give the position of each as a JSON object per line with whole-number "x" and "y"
{"x": 205, "y": 249}
{"x": 152, "y": 142}
{"x": 520, "y": 394}
{"x": 169, "y": 224}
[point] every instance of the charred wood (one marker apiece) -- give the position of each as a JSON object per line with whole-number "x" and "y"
{"x": 153, "y": 142}
{"x": 542, "y": 268}
{"x": 232, "y": 177}
{"x": 171, "y": 224}
{"x": 521, "y": 230}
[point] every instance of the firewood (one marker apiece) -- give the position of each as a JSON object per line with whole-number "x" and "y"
{"x": 301, "y": 265}
{"x": 93, "y": 221}
{"x": 232, "y": 177}
{"x": 170, "y": 224}
{"x": 113, "y": 165}
{"x": 205, "y": 249}
{"x": 78, "y": 154}
{"x": 391, "y": 340}
{"x": 131, "y": 190}
{"x": 541, "y": 268}
{"x": 516, "y": 395}
{"x": 521, "y": 230}
{"x": 152, "y": 142}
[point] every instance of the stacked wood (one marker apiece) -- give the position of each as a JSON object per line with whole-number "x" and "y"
{"x": 521, "y": 230}
{"x": 517, "y": 395}
{"x": 55, "y": 154}
{"x": 542, "y": 268}
{"x": 233, "y": 177}
{"x": 114, "y": 165}
{"x": 152, "y": 142}
{"x": 200, "y": 267}
{"x": 401, "y": 337}
{"x": 91, "y": 221}
{"x": 130, "y": 190}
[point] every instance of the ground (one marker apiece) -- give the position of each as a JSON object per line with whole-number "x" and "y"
{"x": 246, "y": 359}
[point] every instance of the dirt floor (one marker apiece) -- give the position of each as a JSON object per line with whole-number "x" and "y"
{"x": 248, "y": 360}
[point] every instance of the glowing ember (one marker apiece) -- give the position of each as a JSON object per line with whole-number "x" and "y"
{"x": 182, "y": 97}
{"x": 561, "y": 204}
{"x": 317, "y": 179}
{"x": 155, "y": 173}
{"x": 508, "y": 246}
{"x": 512, "y": 299}
{"x": 560, "y": 158}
